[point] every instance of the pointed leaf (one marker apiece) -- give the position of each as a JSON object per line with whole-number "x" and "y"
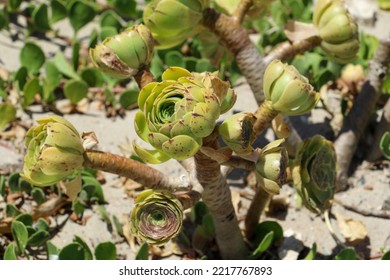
{"x": 32, "y": 57}
{"x": 143, "y": 252}
{"x": 87, "y": 251}
{"x": 7, "y": 114}
{"x": 264, "y": 245}
{"x": 20, "y": 234}
{"x": 105, "y": 251}
{"x": 118, "y": 225}
{"x": 40, "y": 18}
{"x": 52, "y": 251}
{"x": 75, "y": 90}
{"x": 312, "y": 253}
{"x": 38, "y": 238}
{"x": 76, "y": 54}
{"x": 80, "y": 13}
{"x": 58, "y": 11}
{"x": 347, "y": 254}
{"x": 30, "y": 89}
{"x": 10, "y": 252}
{"x": 63, "y": 66}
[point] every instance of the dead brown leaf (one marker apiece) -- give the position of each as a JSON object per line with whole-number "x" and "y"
{"x": 354, "y": 231}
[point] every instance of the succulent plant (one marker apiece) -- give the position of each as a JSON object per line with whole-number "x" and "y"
{"x": 271, "y": 166}
{"x": 314, "y": 173}
{"x": 237, "y": 132}
{"x": 124, "y": 54}
{"x": 157, "y": 216}
{"x": 173, "y": 21}
{"x": 287, "y": 90}
{"x": 257, "y": 8}
{"x": 54, "y": 151}
{"x": 176, "y": 113}
{"x": 337, "y": 29}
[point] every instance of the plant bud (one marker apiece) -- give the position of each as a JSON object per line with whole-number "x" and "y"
{"x": 124, "y": 54}
{"x": 55, "y": 151}
{"x": 288, "y": 91}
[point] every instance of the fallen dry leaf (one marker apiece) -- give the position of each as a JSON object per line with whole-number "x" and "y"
{"x": 354, "y": 231}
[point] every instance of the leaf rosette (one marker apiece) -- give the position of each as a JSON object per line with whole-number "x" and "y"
{"x": 54, "y": 151}
{"x": 314, "y": 173}
{"x": 176, "y": 113}
{"x": 157, "y": 216}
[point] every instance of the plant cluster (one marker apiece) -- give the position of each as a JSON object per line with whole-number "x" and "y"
{"x": 176, "y": 61}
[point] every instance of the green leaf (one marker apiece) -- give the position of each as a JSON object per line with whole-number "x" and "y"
{"x": 40, "y": 18}
{"x": 264, "y": 245}
{"x": 203, "y": 65}
{"x": 107, "y": 31}
{"x": 156, "y": 66}
{"x": 110, "y": 18}
{"x": 14, "y": 182}
{"x": 64, "y": 67}
{"x": 52, "y": 251}
{"x": 105, "y": 251}
{"x": 347, "y": 254}
{"x": 10, "y": 252}
{"x": 11, "y": 210}
{"x": 58, "y": 11}
{"x": 21, "y": 77}
{"x": 386, "y": 256}
{"x": 384, "y": 144}
{"x": 143, "y": 252}
{"x": 87, "y": 251}
{"x": 30, "y": 89}
{"x": 20, "y": 234}
{"x": 76, "y": 54}
{"x": 78, "y": 207}
{"x": 2, "y": 185}
{"x": 53, "y": 75}
{"x": 103, "y": 213}
{"x": 191, "y": 63}
{"x": 25, "y": 219}
{"x": 14, "y": 4}
{"x": 208, "y": 224}
{"x": 92, "y": 76}
{"x": 198, "y": 212}
{"x": 32, "y": 57}
{"x": 312, "y": 253}
{"x": 118, "y": 225}
{"x": 38, "y": 238}
{"x": 262, "y": 229}
{"x": 7, "y": 114}
{"x": 3, "y": 19}
{"x": 38, "y": 195}
{"x": 75, "y": 90}
{"x": 80, "y": 13}
{"x": 128, "y": 98}
{"x": 41, "y": 224}
{"x": 175, "y": 58}
{"x": 124, "y": 7}
{"x": 93, "y": 39}
{"x": 72, "y": 251}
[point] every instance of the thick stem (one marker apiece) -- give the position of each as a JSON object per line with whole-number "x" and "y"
{"x": 356, "y": 122}
{"x": 144, "y": 77}
{"x": 143, "y": 174}
{"x": 375, "y": 152}
{"x": 264, "y": 116}
{"x": 188, "y": 199}
{"x": 217, "y": 197}
{"x": 238, "y": 162}
{"x": 256, "y": 208}
{"x": 241, "y": 10}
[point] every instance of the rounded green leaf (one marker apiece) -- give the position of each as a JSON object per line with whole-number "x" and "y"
{"x": 14, "y": 182}
{"x": 3, "y": 20}
{"x": 75, "y": 90}
{"x": 32, "y": 57}
{"x": 53, "y": 75}
{"x": 87, "y": 250}
{"x": 20, "y": 234}
{"x": 72, "y": 251}
{"x": 63, "y": 66}
{"x": 107, "y": 31}
{"x": 105, "y": 251}
{"x": 262, "y": 229}
{"x": 175, "y": 58}
{"x": 263, "y": 245}
{"x": 30, "y": 89}
{"x": 21, "y": 77}
{"x": 40, "y": 18}
{"x": 41, "y": 224}
{"x": 7, "y": 114}
{"x": 11, "y": 210}
{"x": 38, "y": 238}
{"x": 128, "y": 98}
{"x": 80, "y": 13}
{"x": 25, "y": 218}
{"x": 124, "y": 7}
{"x": 92, "y": 76}
{"x": 347, "y": 254}
{"x": 110, "y": 18}
{"x": 52, "y": 251}
{"x": 385, "y": 144}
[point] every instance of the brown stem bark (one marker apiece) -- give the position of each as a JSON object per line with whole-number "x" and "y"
{"x": 375, "y": 152}
{"x": 258, "y": 204}
{"x": 143, "y": 174}
{"x": 264, "y": 116}
{"x": 356, "y": 122}
{"x": 241, "y": 10}
{"x": 217, "y": 197}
